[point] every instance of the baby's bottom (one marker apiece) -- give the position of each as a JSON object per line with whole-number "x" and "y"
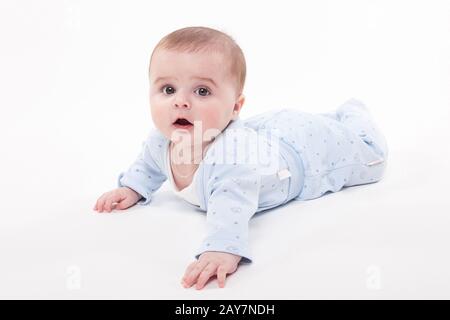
{"x": 358, "y": 153}
{"x": 338, "y": 149}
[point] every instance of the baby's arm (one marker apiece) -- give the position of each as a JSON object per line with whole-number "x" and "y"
{"x": 138, "y": 183}
{"x": 232, "y": 203}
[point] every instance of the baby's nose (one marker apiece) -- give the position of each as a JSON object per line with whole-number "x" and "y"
{"x": 183, "y": 105}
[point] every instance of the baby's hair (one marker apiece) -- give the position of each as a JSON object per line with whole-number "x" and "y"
{"x": 195, "y": 39}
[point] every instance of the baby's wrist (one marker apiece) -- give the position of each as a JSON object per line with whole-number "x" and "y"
{"x": 139, "y": 196}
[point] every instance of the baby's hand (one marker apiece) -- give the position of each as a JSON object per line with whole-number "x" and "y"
{"x": 209, "y": 264}
{"x": 120, "y": 198}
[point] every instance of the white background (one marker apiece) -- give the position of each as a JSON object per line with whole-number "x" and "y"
{"x": 74, "y": 111}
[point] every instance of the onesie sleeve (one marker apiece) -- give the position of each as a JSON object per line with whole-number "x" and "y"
{"x": 231, "y": 204}
{"x": 144, "y": 176}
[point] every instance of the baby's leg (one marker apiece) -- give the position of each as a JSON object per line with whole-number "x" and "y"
{"x": 369, "y": 149}
{"x": 353, "y": 114}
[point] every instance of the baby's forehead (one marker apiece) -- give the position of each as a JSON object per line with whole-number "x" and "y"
{"x": 219, "y": 59}
{"x": 191, "y": 64}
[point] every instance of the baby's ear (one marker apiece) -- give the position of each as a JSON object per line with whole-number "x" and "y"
{"x": 238, "y": 105}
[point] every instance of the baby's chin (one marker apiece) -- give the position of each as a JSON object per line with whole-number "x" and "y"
{"x": 185, "y": 136}
{"x": 189, "y": 138}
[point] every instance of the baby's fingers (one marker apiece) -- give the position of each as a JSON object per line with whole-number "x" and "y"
{"x": 188, "y": 270}
{"x": 99, "y": 206}
{"x": 221, "y": 275}
{"x": 109, "y": 202}
{"x": 125, "y": 203}
{"x": 192, "y": 276}
{"x": 207, "y": 273}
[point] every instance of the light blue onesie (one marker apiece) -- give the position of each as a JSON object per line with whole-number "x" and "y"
{"x": 306, "y": 156}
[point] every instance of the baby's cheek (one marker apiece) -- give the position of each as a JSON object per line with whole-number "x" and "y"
{"x": 212, "y": 119}
{"x": 160, "y": 118}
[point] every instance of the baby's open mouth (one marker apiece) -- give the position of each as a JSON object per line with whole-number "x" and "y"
{"x": 182, "y": 123}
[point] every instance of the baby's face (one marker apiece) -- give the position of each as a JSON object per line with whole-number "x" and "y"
{"x": 194, "y": 86}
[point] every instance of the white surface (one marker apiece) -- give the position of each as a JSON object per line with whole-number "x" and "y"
{"x": 75, "y": 111}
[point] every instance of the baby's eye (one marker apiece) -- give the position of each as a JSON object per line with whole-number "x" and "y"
{"x": 170, "y": 91}
{"x": 203, "y": 91}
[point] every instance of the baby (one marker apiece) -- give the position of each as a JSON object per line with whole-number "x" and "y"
{"x": 233, "y": 168}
